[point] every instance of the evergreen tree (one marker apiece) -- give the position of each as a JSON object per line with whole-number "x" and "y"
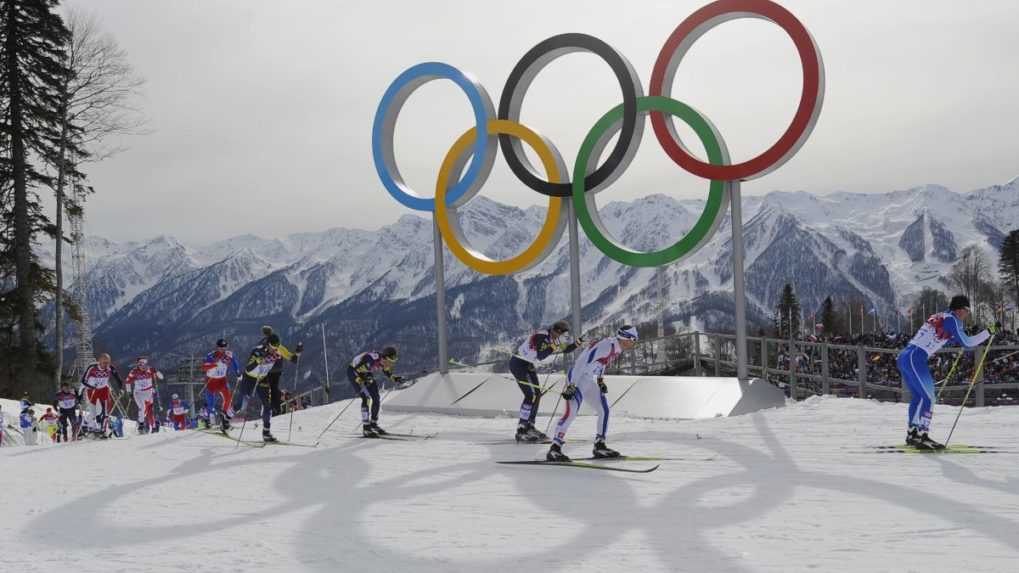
{"x": 787, "y": 314}
{"x": 32, "y": 37}
{"x": 831, "y": 319}
{"x": 1008, "y": 264}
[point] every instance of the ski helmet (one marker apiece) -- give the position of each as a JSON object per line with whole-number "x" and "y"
{"x": 959, "y": 301}
{"x": 266, "y": 330}
{"x": 174, "y": 397}
{"x": 561, "y": 326}
{"x": 627, "y": 332}
{"x": 389, "y": 353}
{"x": 142, "y": 361}
{"x": 221, "y": 343}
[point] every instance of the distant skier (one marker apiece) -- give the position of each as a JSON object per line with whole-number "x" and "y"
{"x": 48, "y": 424}
{"x": 203, "y": 418}
{"x": 523, "y": 366}
{"x": 96, "y": 380}
{"x": 178, "y": 413}
{"x": 940, "y": 329}
{"x": 585, "y": 379}
{"x": 218, "y": 366}
{"x": 261, "y": 362}
{"x": 28, "y": 425}
{"x": 360, "y": 372}
{"x": 66, "y": 401}
{"x": 272, "y": 378}
{"x": 143, "y": 380}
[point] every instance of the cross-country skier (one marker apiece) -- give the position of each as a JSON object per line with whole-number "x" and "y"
{"x": 143, "y": 379}
{"x": 261, "y": 362}
{"x": 96, "y": 380}
{"x": 940, "y": 329}
{"x": 28, "y": 426}
{"x": 48, "y": 424}
{"x": 218, "y": 366}
{"x": 360, "y": 372}
{"x": 66, "y": 402}
{"x": 585, "y": 379}
{"x": 178, "y": 413}
{"x": 522, "y": 365}
{"x": 274, "y": 375}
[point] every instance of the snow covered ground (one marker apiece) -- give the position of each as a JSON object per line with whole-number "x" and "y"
{"x": 792, "y": 489}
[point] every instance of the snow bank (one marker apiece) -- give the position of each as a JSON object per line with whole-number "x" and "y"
{"x": 782, "y": 490}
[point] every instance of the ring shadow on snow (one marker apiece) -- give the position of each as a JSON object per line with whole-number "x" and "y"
{"x": 336, "y": 481}
{"x": 607, "y": 506}
{"x": 81, "y": 519}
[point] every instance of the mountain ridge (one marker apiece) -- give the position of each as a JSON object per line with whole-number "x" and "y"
{"x": 878, "y": 249}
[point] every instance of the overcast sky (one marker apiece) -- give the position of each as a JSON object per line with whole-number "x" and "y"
{"x": 261, "y": 110}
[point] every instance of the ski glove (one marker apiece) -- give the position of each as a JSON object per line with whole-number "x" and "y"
{"x": 397, "y": 379}
{"x": 992, "y": 329}
{"x": 570, "y": 392}
{"x": 601, "y": 386}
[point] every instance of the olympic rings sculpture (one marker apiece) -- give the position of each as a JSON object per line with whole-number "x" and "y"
{"x": 478, "y": 144}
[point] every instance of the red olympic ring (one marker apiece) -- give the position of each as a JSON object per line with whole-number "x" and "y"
{"x": 811, "y": 98}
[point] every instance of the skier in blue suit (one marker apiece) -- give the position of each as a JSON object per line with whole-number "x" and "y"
{"x": 940, "y": 329}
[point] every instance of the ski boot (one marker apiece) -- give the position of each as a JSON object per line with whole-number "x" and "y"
{"x": 602, "y": 451}
{"x": 368, "y": 432}
{"x": 378, "y": 430}
{"x": 524, "y": 435}
{"x": 913, "y": 438}
{"x": 928, "y": 444}
{"x": 267, "y": 437}
{"x": 555, "y": 454}
{"x": 224, "y": 423}
{"x": 537, "y": 434}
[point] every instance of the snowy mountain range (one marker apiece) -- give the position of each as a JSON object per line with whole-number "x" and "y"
{"x": 375, "y": 287}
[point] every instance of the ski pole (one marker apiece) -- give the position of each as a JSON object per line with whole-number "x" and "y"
{"x": 972, "y": 382}
{"x": 944, "y": 383}
{"x": 337, "y": 417}
{"x": 548, "y": 426}
{"x": 244, "y": 407}
{"x": 297, "y": 374}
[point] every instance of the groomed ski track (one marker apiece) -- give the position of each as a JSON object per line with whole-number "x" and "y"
{"x": 782, "y": 493}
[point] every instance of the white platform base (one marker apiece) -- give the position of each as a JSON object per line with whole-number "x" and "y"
{"x": 675, "y": 397}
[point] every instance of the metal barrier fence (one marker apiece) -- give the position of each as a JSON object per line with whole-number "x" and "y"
{"x": 801, "y": 368}
{"x": 814, "y": 368}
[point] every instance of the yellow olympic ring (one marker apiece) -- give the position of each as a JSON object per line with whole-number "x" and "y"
{"x": 449, "y": 224}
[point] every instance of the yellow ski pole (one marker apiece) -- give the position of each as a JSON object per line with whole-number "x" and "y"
{"x": 976, "y": 376}
{"x": 944, "y": 383}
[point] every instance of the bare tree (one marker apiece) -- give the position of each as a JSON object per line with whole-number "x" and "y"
{"x": 970, "y": 273}
{"x": 96, "y": 102}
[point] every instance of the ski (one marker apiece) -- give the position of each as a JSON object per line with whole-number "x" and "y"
{"x": 582, "y": 465}
{"x": 389, "y": 437}
{"x": 644, "y": 459}
{"x": 952, "y": 449}
{"x": 515, "y": 442}
{"x": 417, "y": 436}
{"x": 251, "y": 444}
{"x": 295, "y": 444}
